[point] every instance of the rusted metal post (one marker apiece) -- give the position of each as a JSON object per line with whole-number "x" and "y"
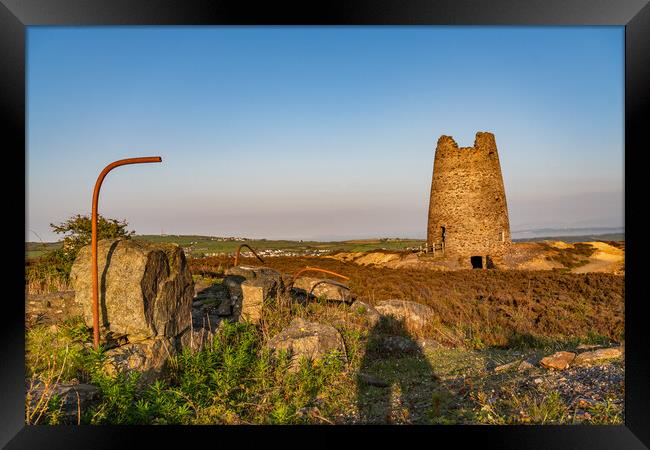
{"x": 251, "y": 249}
{"x": 98, "y": 185}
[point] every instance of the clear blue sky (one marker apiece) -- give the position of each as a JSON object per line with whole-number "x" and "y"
{"x": 319, "y": 132}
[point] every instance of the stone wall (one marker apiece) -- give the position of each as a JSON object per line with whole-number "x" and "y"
{"x": 468, "y": 199}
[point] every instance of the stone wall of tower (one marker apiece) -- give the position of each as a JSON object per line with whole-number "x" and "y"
{"x": 468, "y": 198}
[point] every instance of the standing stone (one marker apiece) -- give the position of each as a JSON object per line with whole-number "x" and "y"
{"x": 145, "y": 289}
{"x": 254, "y": 292}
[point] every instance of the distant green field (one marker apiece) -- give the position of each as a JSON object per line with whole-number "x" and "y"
{"x": 197, "y": 245}
{"x": 202, "y": 245}
{"x": 206, "y": 245}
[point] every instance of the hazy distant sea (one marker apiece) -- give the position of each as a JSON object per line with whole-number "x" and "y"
{"x": 600, "y": 233}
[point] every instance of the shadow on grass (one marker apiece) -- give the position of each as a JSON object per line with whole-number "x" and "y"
{"x": 396, "y": 383}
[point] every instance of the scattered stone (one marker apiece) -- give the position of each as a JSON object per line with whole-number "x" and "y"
{"x": 597, "y": 356}
{"x": 367, "y": 310}
{"x": 538, "y": 381}
{"x": 558, "y": 360}
{"x": 75, "y": 398}
{"x": 331, "y": 290}
{"x": 524, "y": 365}
{"x": 148, "y": 357}
{"x": 311, "y": 340}
{"x": 414, "y": 314}
{"x": 508, "y": 366}
{"x": 145, "y": 289}
{"x": 371, "y": 380}
{"x": 254, "y": 292}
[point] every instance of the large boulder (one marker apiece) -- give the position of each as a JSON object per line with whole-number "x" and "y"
{"x": 145, "y": 289}
{"x": 311, "y": 340}
{"x": 327, "y": 289}
{"x": 414, "y": 315}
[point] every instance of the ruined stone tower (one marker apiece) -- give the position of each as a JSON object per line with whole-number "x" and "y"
{"x": 468, "y": 215}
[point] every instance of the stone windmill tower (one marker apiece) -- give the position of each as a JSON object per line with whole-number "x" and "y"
{"x": 468, "y": 214}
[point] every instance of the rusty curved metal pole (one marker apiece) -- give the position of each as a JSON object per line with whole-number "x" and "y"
{"x": 251, "y": 249}
{"x": 311, "y": 291}
{"x": 315, "y": 269}
{"x": 98, "y": 185}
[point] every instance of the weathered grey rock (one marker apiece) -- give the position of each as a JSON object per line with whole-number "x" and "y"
{"x": 415, "y": 315}
{"x": 75, "y": 398}
{"x": 254, "y": 292}
{"x": 148, "y": 357}
{"x": 558, "y": 360}
{"x": 324, "y": 288}
{"x": 145, "y": 289}
{"x": 596, "y": 356}
{"x": 303, "y": 339}
{"x": 195, "y": 339}
{"x": 399, "y": 344}
{"x": 371, "y": 380}
{"x": 365, "y": 309}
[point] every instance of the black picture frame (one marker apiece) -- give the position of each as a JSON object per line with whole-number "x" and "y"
{"x": 16, "y": 15}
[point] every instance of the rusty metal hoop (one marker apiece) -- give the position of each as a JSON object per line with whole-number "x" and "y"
{"x": 328, "y": 282}
{"x": 98, "y": 185}
{"x": 251, "y": 249}
{"x": 316, "y": 269}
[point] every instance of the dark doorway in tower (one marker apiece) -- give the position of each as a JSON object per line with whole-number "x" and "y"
{"x": 442, "y": 233}
{"x": 477, "y": 262}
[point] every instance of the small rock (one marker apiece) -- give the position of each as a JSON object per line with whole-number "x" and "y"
{"x": 558, "y": 360}
{"x": 525, "y": 365}
{"x": 508, "y": 366}
{"x": 371, "y": 380}
{"x": 597, "y": 356}
{"x": 538, "y": 381}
